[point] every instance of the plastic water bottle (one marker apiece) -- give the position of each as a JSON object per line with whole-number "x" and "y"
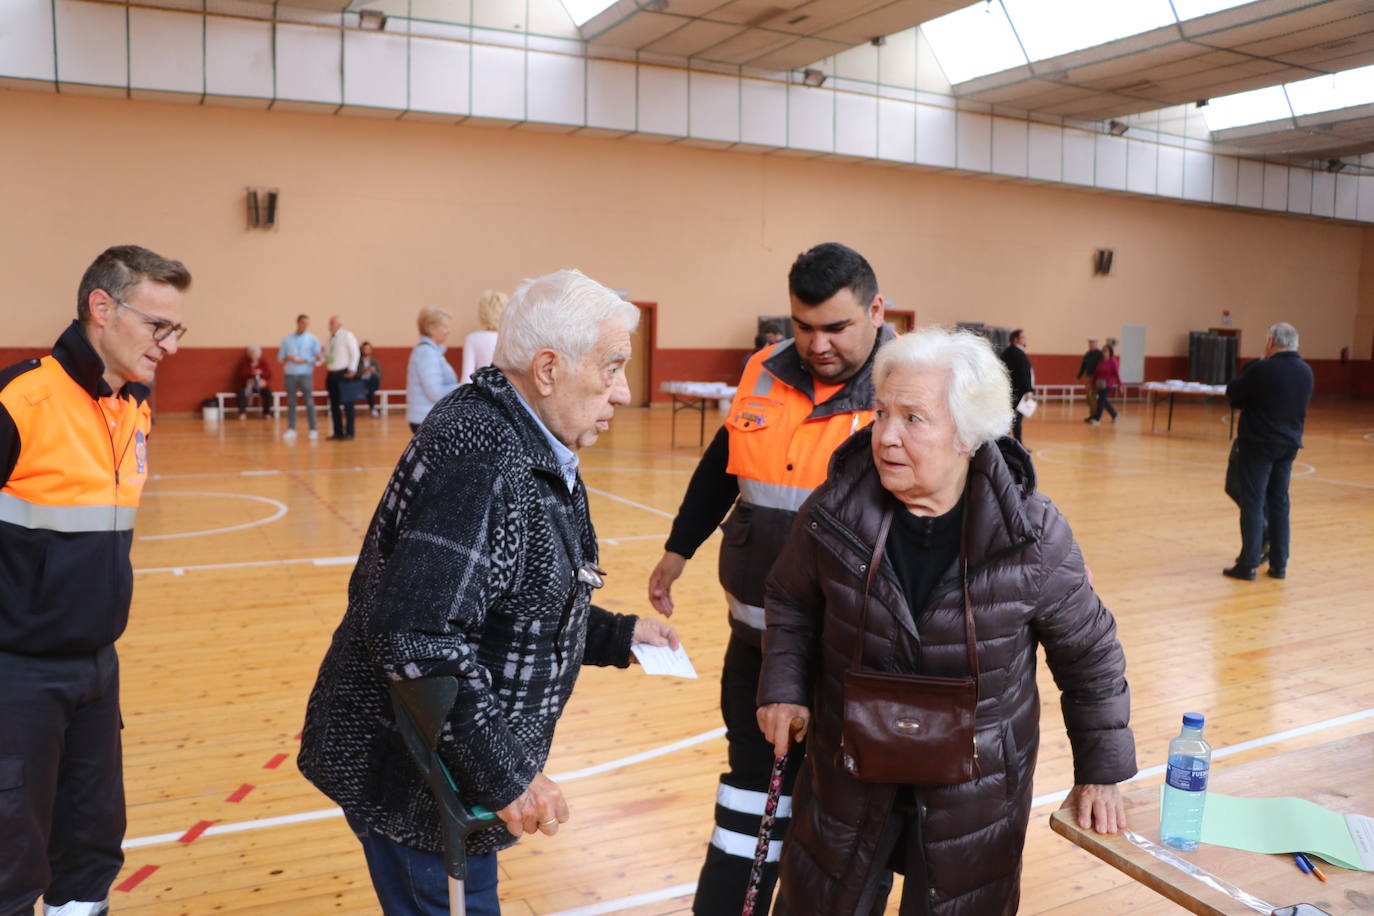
{"x": 1185, "y": 786}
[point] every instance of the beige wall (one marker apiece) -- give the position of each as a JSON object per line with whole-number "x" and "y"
{"x": 381, "y": 217}
{"x": 1363, "y": 347}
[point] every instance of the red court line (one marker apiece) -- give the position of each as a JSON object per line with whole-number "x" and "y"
{"x": 298, "y": 736}
{"x": 194, "y": 832}
{"x": 240, "y": 793}
{"x": 333, "y": 510}
{"x": 274, "y": 762}
{"x": 136, "y": 878}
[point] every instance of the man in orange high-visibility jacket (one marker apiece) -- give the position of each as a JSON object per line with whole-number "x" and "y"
{"x": 797, "y": 401}
{"x": 73, "y": 458}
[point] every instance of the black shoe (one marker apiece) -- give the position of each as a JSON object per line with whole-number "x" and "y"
{"x": 1278, "y": 573}
{"x": 1240, "y": 572}
{"x": 332, "y": 437}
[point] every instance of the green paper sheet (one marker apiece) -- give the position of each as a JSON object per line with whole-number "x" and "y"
{"x": 1279, "y": 825}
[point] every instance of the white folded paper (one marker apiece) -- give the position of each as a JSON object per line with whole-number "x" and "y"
{"x": 1027, "y": 406}
{"x": 662, "y": 660}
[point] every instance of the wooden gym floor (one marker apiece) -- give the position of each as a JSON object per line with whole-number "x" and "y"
{"x": 245, "y": 544}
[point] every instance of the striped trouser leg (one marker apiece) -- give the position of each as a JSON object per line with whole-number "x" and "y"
{"x": 741, "y": 795}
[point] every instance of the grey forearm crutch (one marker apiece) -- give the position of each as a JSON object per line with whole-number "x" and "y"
{"x": 421, "y": 706}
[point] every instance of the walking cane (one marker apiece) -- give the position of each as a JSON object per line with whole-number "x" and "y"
{"x": 770, "y": 810}
{"x": 421, "y": 706}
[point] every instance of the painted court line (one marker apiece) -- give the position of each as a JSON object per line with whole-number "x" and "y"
{"x": 624, "y": 903}
{"x": 630, "y": 502}
{"x": 1231, "y": 749}
{"x": 348, "y": 560}
{"x": 136, "y": 878}
{"x": 281, "y": 510}
{"x": 336, "y": 812}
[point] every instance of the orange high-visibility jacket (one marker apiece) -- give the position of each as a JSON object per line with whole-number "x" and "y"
{"x": 780, "y": 442}
{"x": 73, "y": 460}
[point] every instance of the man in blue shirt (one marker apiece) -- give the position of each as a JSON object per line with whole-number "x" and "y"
{"x": 299, "y": 355}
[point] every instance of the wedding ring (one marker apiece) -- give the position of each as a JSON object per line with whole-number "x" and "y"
{"x": 552, "y": 820}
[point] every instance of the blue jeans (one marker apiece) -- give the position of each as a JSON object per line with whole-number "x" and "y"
{"x": 410, "y": 881}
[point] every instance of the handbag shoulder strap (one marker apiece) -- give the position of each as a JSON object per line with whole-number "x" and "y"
{"x": 970, "y": 637}
{"x": 883, "y": 527}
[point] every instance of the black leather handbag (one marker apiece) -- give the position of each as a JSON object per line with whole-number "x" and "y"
{"x": 910, "y": 728}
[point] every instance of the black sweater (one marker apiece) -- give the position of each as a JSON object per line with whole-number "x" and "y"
{"x": 1272, "y": 395}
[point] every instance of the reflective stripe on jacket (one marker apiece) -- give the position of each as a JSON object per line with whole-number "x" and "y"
{"x": 780, "y": 444}
{"x": 77, "y": 459}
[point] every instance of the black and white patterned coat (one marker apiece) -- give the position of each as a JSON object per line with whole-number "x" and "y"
{"x": 470, "y": 569}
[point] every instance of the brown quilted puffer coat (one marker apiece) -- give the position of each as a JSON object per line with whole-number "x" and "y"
{"x": 1028, "y": 587}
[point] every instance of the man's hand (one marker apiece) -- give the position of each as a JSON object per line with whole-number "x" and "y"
{"x": 781, "y": 722}
{"x": 655, "y": 633}
{"x": 661, "y": 582}
{"x": 1099, "y": 807}
{"x": 539, "y": 808}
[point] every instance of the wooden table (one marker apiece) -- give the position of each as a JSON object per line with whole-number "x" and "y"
{"x": 1338, "y": 775}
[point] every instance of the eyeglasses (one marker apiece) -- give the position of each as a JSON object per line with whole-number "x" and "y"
{"x": 162, "y": 328}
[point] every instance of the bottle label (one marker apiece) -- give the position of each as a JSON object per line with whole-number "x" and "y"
{"x": 1188, "y": 779}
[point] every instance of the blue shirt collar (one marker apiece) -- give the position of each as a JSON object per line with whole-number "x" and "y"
{"x": 566, "y": 457}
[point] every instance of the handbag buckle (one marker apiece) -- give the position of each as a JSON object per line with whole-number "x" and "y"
{"x": 907, "y": 725}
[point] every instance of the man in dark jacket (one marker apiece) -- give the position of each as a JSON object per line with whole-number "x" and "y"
{"x": 1022, "y": 376}
{"x": 479, "y": 564}
{"x": 1272, "y": 395}
{"x": 73, "y": 461}
{"x": 1085, "y": 371}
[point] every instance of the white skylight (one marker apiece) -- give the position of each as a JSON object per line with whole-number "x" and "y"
{"x": 1049, "y": 29}
{"x": 974, "y": 41}
{"x": 995, "y": 35}
{"x": 1254, "y": 107}
{"x": 1331, "y": 93}
{"x": 584, "y": 11}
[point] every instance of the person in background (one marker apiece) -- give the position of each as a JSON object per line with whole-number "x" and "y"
{"x": 1272, "y": 395}
{"x": 428, "y": 374}
{"x": 1106, "y": 379}
{"x": 945, "y": 508}
{"x": 255, "y": 378}
{"x": 1085, "y": 372}
{"x": 74, "y": 430}
{"x": 797, "y": 401}
{"x": 480, "y": 564}
{"x": 299, "y": 354}
{"x": 480, "y": 346}
{"x": 1022, "y": 377}
{"x": 371, "y": 374}
{"x": 340, "y": 363}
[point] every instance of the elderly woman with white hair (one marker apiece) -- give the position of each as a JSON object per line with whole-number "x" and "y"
{"x": 903, "y": 621}
{"x": 255, "y": 378}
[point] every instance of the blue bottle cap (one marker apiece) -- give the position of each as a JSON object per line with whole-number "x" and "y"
{"x": 1192, "y": 720}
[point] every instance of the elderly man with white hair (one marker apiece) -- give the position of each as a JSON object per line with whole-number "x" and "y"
{"x": 480, "y": 565}
{"x": 1272, "y": 395}
{"x": 927, "y": 552}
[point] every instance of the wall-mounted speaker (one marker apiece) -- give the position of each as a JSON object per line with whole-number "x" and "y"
{"x": 264, "y": 205}
{"x": 1102, "y": 261}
